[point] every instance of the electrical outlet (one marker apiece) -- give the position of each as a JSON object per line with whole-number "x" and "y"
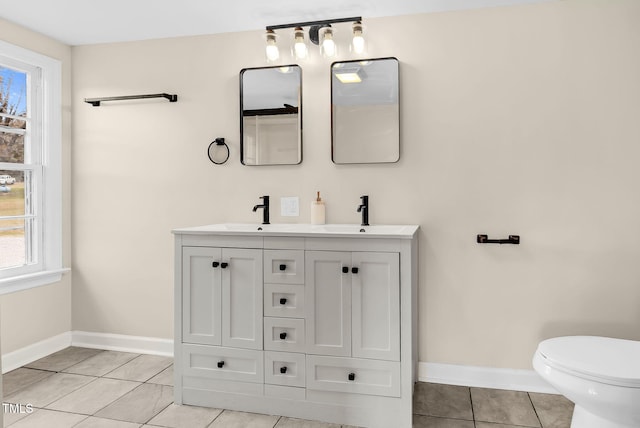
{"x": 290, "y": 206}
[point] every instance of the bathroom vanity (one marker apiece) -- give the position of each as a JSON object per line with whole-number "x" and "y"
{"x": 312, "y": 322}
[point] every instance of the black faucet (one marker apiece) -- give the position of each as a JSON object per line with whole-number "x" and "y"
{"x": 364, "y": 209}
{"x": 265, "y": 209}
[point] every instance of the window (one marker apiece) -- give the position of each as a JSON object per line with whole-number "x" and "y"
{"x": 30, "y": 169}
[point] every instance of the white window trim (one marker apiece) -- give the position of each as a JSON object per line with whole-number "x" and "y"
{"x": 52, "y": 268}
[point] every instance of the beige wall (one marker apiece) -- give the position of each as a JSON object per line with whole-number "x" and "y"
{"x": 30, "y": 316}
{"x": 515, "y": 120}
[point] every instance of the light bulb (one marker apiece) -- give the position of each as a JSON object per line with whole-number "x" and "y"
{"x": 299, "y": 46}
{"x": 357, "y": 44}
{"x": 271, "y": 51}
{"x": 328, "y": 45}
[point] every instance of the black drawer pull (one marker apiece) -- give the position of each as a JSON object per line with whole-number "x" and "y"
{"x": 283, "y": 370}
{"x": 224, "y": 265}
{"x": 215, "y": 264}
{"x": 283, "y": 335}
{"x": 283, "y": 300}
{"x": 220, "y": 364}
{"x": 352, "y": 376}
{"x": 354, "y": 270}
{"x": 283, "y": 267}
{"x": 345, "y": 269}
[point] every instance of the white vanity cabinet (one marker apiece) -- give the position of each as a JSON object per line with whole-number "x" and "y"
{"x": 309, "y": 323}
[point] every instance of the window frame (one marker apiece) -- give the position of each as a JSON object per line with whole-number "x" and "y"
{"x": 48, "y": 191}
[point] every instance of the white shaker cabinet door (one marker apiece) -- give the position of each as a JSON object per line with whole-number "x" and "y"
{"x": 242, "y": 298}
{"x": 375, "y": 306}
{"x": 201, "y": 295}
{"x": 328, "y": 302}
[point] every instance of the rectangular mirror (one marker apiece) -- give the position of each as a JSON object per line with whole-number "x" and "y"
{"x": 271, "y": 115}
{"x": 365, "y": 111}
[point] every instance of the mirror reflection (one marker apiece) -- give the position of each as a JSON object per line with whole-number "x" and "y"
{"x": 365, "y": 111}
{"x": 271, "y": 115}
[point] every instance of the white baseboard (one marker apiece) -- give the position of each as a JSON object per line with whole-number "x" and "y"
{"x": 28, "y": 354}
{"x": 484, "y": 377}
{"x": 123, "y": 343}
{"x": 111, "y": 342}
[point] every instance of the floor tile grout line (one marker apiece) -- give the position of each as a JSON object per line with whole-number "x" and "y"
{"x": 102, "y": 408}
{"x": 28, "y": 384}
{"x": 214, "y": 419}
{"x": 64, "y": 368}
{"x": 162, "y": 410}
{"x": 59, "y": 398}
{"x": 103, "y": 375}
{"x": 79, "y": 422}
{"x": 473, "y": 413}
{"x": 121, "y": 365}
{"x": 119, "y": 398}
{"x": 535, "y": 410}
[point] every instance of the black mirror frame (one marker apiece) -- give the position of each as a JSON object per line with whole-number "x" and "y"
{"x": 242, "y": 121}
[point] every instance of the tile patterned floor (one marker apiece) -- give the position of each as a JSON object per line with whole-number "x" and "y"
{"x": 88, "y": 388}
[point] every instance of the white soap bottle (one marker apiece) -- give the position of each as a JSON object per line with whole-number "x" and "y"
{"x": 317, "y": 210}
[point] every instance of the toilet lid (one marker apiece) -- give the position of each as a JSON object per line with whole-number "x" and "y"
{"x": 612, "y": 361}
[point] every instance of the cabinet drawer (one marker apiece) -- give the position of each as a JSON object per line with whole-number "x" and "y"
{"x": 353, "y": 375}
{"x": 284, "y": 300}
{"x": 217, "y": 362}
{"x": 284, "y": 368}
{"x": 284, "y": 334}
{"x": 284, "y": 266}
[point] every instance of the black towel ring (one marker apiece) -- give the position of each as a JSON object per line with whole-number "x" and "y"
{"x": 218, "y": 151}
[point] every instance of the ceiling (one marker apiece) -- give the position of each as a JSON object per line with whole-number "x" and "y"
{"x": 81, "y": 22}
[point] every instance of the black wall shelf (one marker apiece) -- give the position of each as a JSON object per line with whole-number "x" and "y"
{"x": 96, "y": 101}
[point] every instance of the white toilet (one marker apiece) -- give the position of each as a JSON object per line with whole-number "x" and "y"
{"x": 600, "y": 375}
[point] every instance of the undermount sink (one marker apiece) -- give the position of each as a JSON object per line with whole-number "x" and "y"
{"x": 298, "y": 229}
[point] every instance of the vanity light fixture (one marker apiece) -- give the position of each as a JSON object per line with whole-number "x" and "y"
{"x": 328, "y": 46}
{"x": 300, "y": 50}
{"x": 321, "y": 33}
{"x": 271, "y": 51}
{"x": 357, "y": 43}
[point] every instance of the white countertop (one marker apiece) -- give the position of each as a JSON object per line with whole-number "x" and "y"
{"x": 404, "y": 231}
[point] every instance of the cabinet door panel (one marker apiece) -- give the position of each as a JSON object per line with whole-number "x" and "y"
{"x": 201, "y": 296}
{"x": 328, "y": 302}
{"x": 376, "y": 306}
{"x": 242, "y": 298}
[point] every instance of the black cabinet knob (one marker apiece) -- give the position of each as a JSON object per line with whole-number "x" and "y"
{"x": 220, "y": 364}
{"x": 354, "y": 270}
{"x": 224, "y": 265}
{"x": 283, "y": 301}
{"x": 283, "y": 267}
{"x": 345, "y": 269}
{"x": 283, "y": 370}
{"x": 352, "y": 376}
{"x": 283, "y": 335}
{"x": 215, "y": 264}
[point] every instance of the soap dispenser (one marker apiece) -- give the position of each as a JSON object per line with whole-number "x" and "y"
{"x": 317, "y": 210}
